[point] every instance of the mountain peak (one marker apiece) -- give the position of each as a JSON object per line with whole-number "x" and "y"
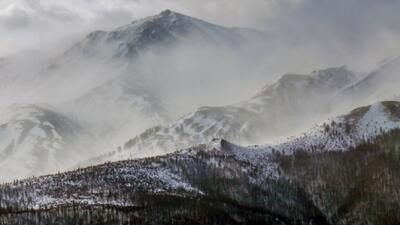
{"x": 168, "y": 12}
{"x": 164, "y": 29}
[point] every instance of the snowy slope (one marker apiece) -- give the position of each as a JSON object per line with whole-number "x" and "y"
{"x": 347, "y": 131}
{"x": 279, "y": 109}
{"x": 39, "y": 141}
{"x": 339, "y": 134}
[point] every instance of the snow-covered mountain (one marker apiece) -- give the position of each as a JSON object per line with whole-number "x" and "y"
{"x": 106, "y": 87}
{"x": 36, "y": 140}
{"x": 310, "y": 179}
{"x": 125, "y": 75}
{"x": 282, "y": 108}
{"x": 118, "y": 83}
{"x": 160, "y": 31}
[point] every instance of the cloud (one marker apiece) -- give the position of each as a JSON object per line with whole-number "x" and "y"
{"x": 355, "y": 32}
{"x": 326, "y": 32}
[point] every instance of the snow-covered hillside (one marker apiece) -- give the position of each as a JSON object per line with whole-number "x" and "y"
{"x": 346, "y": 131}
{"x": 36, "y": 140}
{"x": 279, "y": 109}
{"x": 339, "y": 134}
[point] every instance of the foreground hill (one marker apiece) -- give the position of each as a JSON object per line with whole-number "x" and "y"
{"x": 222, "y": 183}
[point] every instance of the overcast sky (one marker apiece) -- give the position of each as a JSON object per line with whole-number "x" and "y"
{"x": 336, "y": 30}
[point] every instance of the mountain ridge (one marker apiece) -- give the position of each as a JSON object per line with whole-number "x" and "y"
{"x": 222, "y": 172}
{"x": 250, "y": 121}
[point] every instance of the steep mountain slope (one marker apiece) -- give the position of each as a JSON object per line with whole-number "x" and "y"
{"x": 318, "y": 183}
{"x": 289, "y": 104}
{"x": 39, "y": 141}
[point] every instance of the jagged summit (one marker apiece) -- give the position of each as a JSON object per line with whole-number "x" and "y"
{"x": 165, "y": 18}
{"x": 348, "y": 130}
{"x": 170, "y": 13}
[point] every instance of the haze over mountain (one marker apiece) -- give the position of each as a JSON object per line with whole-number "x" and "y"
{"x": 145, "y": 115}
{"x": 112, "y": 75}
{"x": 114, "y": 91}
{"x": 297, "y": 100}
{"x": 39, "y": 140}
